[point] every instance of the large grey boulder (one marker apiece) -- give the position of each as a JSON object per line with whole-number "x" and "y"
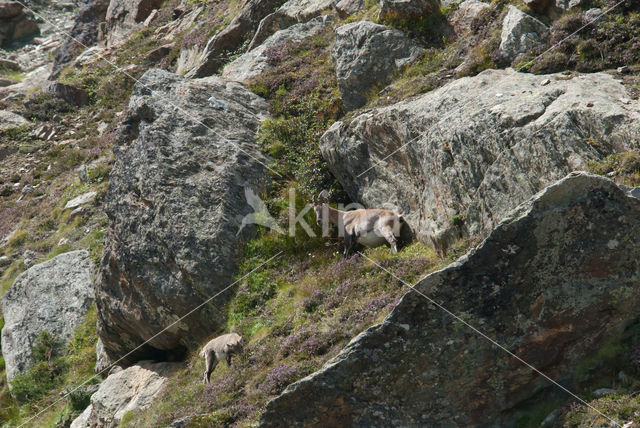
{"x": 255, "y": 62}
{"x": 479, "y": 146}
{"x": 290, "y": 13}
{"x": 85, "y": 33}
{"x": 125, "y": 391}
{"x": 520, "y": 33}
{"x": 552, "y": 283}
{"x": 175, "y": 202}
{"x": 366, "y": 55}
{"x": 126, "y": 16}
{"x": 53, "y": 296}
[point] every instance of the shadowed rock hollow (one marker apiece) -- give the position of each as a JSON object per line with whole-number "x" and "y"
{"x": 551, "y": 283}
{"x": 175, "y": 201}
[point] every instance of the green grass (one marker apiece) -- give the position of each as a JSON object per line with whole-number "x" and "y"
{"x": 625, "y": 167}
{"x": 295, "y": 313}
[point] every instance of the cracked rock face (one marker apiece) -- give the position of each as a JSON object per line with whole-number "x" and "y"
{"x": 552, "y": 283}
{"x": 479, "y": 146}
{"x": 255, "y": 62}
{"x": 175, "y": 202}
{"x": 366, "y": 55}
{"x": 520, "y": 33}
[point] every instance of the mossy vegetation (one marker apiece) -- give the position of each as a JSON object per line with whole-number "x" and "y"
{"x": 304, "y": 101}
{"x": 624, "y": 168}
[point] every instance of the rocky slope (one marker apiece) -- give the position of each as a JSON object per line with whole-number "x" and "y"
{"x": 541, "y": 282}
{"x": 119, "y": 144}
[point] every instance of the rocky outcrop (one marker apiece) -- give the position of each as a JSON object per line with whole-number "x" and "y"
{"x": 84, "y": 34}
{"x": 124, "y": 391}
{"x": 53, "y": 296}
{"x": 175, "y": 202}
{"x": 520, "y": 33}
{"x": 479, "y": 146}
{"x": 255, "y": 62}
{"x": 10, "y": 120}
{"x": 367, "y": 55}
{"x": 72, "y": 95}
{"x": 551, "y": 283}
{"x": 126, "y": 16}
{"x": 231, "y": 38}
{"x": 15, "y": 23}
{"x": 462, "y": 18}
{"x": 290, "y": 13}
{"x": 407, "y": 11}
{"x": 344, "y": 8}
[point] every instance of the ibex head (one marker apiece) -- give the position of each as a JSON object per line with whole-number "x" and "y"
{"x": 318, "y": 206}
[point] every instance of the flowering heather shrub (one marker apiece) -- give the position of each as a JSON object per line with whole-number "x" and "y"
{"x": 316, "y": 299}
{"x": 278, "y": 379}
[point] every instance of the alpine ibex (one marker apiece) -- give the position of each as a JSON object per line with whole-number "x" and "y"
{"x": 218, "y": 349}
{"x": 369, "y": 227}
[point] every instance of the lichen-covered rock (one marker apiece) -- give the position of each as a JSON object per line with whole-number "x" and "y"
{"x": 85, "y": 33}
{"x": 462, "y": 18}
{"x": 255, "y": 62}
{"x": 552, "y": 283}
{"x": 344, "y": 8}
{"x": 125, "y": 391}
{"x": 520, "y": 33}
{"x": 175, "y": 202}
{"x": 367, "y": 55}
{"x": 53, "y": 296}
{"x": 479, "y": 146}
{"x": 290, "y": 13}
{"x": 10, "y": 120}
{"x": 126, "y": 16}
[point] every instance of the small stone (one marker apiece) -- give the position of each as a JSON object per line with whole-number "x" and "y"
{"x": 83, "y": 199}
{"x": 11, "y": 65}
{"x": 623, "y": 70}
{"x": 590, "y": 104}
{"x": 29, "y": 257}
{"x": 545, "y": 82}
{"x": 78, "y": 212}
{"x": 63, "y": 241}
{"x": 4, "y": 261}
{"x": 72, "y": 95}
{"x": 6, "y": 82}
